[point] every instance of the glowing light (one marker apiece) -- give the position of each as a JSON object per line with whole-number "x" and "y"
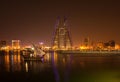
{"x": 84, "y": 47}
{"x": 32, "y": 48}
{"x": 41, "y": 43}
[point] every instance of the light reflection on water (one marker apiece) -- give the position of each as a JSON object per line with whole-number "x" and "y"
{"x": 10, "y": 63}
{"x": 61, "y": 68}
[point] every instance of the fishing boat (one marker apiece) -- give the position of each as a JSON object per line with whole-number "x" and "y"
{"x": 37, "y": 55}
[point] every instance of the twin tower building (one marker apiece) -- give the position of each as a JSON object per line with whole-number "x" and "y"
{"x": 61, "y": 39}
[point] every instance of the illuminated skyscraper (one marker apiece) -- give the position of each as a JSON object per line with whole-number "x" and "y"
{"x": 15, "y": 44}
{"x": 62, "y": 38}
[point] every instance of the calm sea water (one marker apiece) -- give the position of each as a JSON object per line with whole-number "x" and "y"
{"x": 59, "y": 68}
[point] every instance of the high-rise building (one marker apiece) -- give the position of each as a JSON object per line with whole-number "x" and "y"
{"x": 62, "y": 38}
{"x": 86, "y": 42}
{"x": 3, "y": 44}
{"x": 15, "y": 44}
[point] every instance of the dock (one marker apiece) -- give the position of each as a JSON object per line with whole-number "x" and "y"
{"x": 90, "y": 53}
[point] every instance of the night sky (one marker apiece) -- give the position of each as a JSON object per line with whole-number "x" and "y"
{"x": 33, "y": 21}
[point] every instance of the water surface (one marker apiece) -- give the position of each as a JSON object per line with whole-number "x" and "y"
{"x": 60, "y": 68}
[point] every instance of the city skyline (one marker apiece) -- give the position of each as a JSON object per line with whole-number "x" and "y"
{"x": 33, "y": 22}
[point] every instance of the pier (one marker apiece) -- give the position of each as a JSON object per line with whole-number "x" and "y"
{"x": 90, "y": 53}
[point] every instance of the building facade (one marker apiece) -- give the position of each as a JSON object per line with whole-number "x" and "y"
{"x": 3, "y": 45}
{"x": 15, "y": 44}
{"x": 62, "y": 39}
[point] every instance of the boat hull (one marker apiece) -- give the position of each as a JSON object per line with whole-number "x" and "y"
{"x": 28, "y": 58}
{"x": 32, "y": 59}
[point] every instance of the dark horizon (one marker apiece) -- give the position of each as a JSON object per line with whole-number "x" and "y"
{"x": 34, "y": 22}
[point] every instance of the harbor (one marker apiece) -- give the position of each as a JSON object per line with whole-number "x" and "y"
{"x": 59, "y": 41}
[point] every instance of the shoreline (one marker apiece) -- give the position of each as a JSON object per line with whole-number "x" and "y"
{"x": 90, "y": 53}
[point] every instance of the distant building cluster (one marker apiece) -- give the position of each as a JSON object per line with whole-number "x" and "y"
{"x": 110, "y": 45}
{"x": 62, "y": 41}
{"x": 15, "y": 45}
